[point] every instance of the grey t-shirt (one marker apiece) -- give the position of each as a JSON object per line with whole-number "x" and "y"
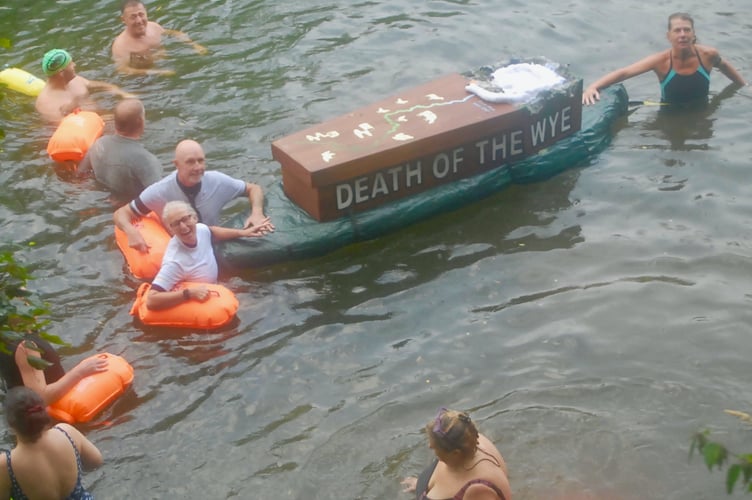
{"x": 122, "y": 164}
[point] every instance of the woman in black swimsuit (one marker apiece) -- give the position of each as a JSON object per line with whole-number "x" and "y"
{"x": 683, "y": 70}
{"x": 467, "y": 466}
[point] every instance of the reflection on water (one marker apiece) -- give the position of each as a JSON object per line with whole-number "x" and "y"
{"x": 689, "y": 128}
{"x": 590, "y": 323}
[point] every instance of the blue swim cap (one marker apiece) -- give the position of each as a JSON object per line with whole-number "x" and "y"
{"x": 55, "y": 61}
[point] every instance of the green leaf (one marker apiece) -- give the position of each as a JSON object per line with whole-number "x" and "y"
{"x": 38, "y": 363}
{"x": 747, "y": 469}
{"x": 715, "y": 454}
{"x": 698, "y": 442}
{"x": 5, "y": 43}
{"x": 731, "y": 477}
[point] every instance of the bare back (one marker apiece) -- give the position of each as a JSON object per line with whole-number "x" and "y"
{"x": 488, "y": 465}
{"x": 44, "y": 469}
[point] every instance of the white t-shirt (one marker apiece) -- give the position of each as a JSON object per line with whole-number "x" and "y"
{"x": 184, "y": 263}
{"x": 217, "y": 189}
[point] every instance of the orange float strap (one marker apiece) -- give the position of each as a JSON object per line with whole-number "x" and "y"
{"x": 93, "y": 393}
{"x": 74, "y": 136}
{"x": 219, "y": 310}
{"x": 145, "y": 266}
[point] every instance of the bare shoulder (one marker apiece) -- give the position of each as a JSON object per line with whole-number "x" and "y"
{"x": 706, "y": 49}
{"x": 708, "y": 55}
{"x": 119, "y": 45}
{"x": 658, "y": 57}
{"x": 74, "y": 433}
{"x": 155, "y": 27}
{"x": 479, "y": 491}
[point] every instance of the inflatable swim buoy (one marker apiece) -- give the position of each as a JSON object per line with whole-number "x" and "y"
{"x": 74, "y": 136}
{"x": 93, "y": 393}
{"x": 145, "y": 266}
{"x": 21, "y": 81}
{"x": 215, "y": 312}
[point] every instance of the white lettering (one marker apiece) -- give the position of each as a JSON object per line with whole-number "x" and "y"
{"x": 457, "y": 158}
{"x": 566, "y": 119}
{"x": 517, "y": 148}
{"x": 416, "y": 173}
{"x": 395, "y": 171}
{"x": 361, "y": 189}
{"x": 440, "y": 165}
{"x": 538, "y": 131}
{"x": 497, "y": 146}
{"x": 379, "y": 186}
{"x": 344, "y": 196}
{"x": 481, "y": 146}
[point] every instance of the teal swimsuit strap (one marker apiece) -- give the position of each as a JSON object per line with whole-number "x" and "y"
{"x": 672, "y": 72}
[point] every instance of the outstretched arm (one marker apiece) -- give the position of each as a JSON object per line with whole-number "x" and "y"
{"x": 34, "y": 378}
{"x": 94, "y": 85}
{"x": 256, "y": 199}
{"x": 220, "y": 233}
{"x": 183, "y": 37}
{"x": 591, "y": 93}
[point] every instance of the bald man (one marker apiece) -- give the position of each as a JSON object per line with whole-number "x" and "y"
{"x": 206, "y": 191}
{"x": 120, "y": 161}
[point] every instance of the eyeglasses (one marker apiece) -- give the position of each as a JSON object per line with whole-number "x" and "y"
{"x": 186, "y": 219}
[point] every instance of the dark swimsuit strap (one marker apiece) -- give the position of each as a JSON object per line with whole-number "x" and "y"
{"x": 15, "y": 488}
{"x": 78, "y": 455}
{"x": 461, "y": 494}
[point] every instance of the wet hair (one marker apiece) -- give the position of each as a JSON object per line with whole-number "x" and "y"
{"x": 680, "y": 15}
{"x": 684, "y": 17}
{"x": 174, "y": 206}
{"x": 127, "y": 3}
{"x": 25, "y": 413}
{"x": 453, "y": 430}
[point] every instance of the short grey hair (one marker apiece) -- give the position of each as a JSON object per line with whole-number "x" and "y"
{"x": 174, "y": 206}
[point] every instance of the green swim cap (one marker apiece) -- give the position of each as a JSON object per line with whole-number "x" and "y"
{"x": 55, "y": 61}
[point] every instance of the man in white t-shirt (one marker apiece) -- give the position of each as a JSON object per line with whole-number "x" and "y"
{"x": 206, "y": 191}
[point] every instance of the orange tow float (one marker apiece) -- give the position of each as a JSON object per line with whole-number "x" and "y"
{"x": 95, "y": 392}
{"x": 74, "y": 136}
{"x": 219, "y": 310}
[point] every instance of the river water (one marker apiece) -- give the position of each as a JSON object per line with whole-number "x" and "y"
{"x": 590, "y": 323}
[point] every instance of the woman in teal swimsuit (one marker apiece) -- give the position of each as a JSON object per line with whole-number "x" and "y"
{"x": 683, "y": 70}
{"x": 47, "y": 461}
{"x": 467, "y": 466}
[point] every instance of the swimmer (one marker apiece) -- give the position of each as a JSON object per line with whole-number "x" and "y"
{"x": 467, "y": 463}
{"x": 65, "y": 91}
{"x": 140, "y": 44}
{"x": 47, "y": 461}
{"x": 683, "y": 70}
